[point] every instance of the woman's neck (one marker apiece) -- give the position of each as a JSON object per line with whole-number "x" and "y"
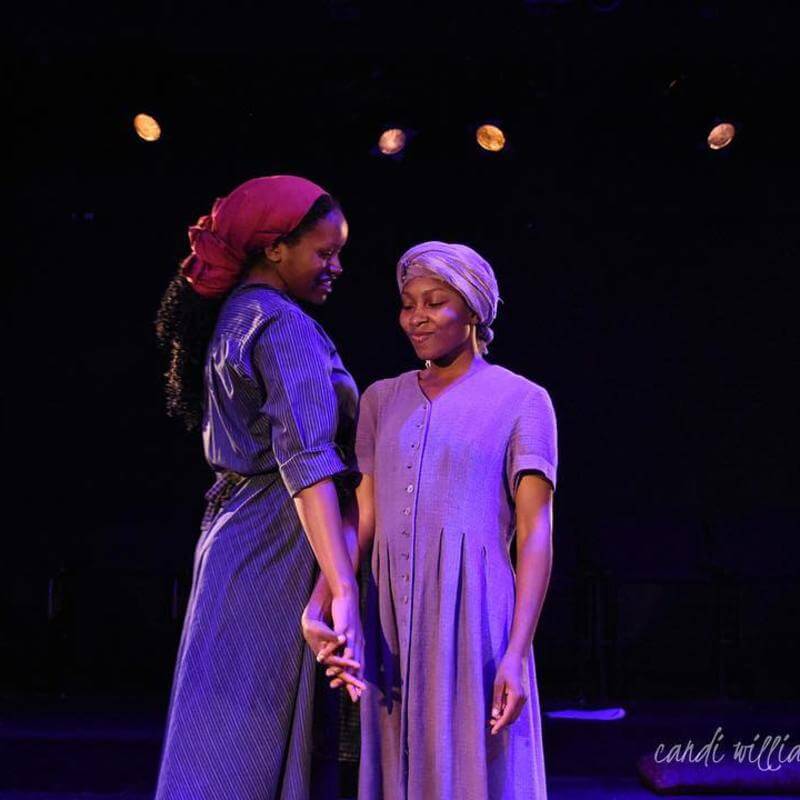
{"x": 261, "y": 273}
{"x": 452, "y": 366}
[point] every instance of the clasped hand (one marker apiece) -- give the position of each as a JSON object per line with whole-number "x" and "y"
{"x": 339, "y": 648}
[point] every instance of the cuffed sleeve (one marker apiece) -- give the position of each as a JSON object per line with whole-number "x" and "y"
{"x": 533, "y": 444}
{"x": 365, "y": 431}
{"x": 293, "y": 360}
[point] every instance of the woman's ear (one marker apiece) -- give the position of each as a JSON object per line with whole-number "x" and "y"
{"x": 274, "y": 253}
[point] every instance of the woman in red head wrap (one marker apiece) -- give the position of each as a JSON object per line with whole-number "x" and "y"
{"x": 277, "y": 409}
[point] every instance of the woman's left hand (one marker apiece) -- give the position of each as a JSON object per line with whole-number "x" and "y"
{"x": 510, "y": 692}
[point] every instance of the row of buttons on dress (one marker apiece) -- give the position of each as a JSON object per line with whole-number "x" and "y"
{"x": 407, "y": 511}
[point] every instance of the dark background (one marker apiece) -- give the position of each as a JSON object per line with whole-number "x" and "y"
{"x": 649, "y": 284}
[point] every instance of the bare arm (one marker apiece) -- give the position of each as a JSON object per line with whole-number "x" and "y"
{"x": 318, "y": 509}
{"x": 534, "y": 503}
{"x": 365, "y": 514}
{"x": 358, "y": 528}
{"x": 534, "y": 520}
{"x": 319, "y": 604}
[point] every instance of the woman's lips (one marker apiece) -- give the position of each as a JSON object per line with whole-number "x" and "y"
{"x": 420, "y": 337}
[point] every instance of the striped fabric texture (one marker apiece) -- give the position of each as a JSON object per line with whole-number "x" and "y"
{"x": 280, "y": 415}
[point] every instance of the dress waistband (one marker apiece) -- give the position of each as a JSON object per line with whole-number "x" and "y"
{"x": 224, "y": 486}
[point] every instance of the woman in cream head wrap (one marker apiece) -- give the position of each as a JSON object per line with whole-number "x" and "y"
{"x": 456, "y": 460}
{"x": 462, "y": 269}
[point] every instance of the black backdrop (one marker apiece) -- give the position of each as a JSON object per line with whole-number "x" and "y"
{"x": 648, "y": 282}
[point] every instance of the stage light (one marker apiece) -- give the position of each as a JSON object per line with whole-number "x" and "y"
{"x": 491, "y": 138}
{"x": 392, "y": 141}
{"x": 721, "y": 135}
{"x": 147, "y": 128}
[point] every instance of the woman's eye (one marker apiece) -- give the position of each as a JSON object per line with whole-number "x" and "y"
{"x": 436, "y": 305}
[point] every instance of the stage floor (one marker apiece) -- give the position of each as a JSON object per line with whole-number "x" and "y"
{"x": 558, "y": 789}
{"x": 99, "y": 749}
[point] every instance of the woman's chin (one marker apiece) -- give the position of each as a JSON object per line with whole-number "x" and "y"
{"x": 424, "y": 351}
{"x": 317, "y": 296}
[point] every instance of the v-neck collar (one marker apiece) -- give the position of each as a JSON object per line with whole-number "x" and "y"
{"x": 455, "y": 384}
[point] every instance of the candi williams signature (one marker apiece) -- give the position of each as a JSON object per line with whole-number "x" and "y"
{"x": 769, "y": 753}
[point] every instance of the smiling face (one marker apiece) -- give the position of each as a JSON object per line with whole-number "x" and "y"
{"x": 309, "y": 267}
{"x": 435, "y": 318}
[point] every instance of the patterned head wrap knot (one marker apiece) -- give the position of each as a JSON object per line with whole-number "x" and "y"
{"x": 249, "y": 219}
{"x": 461, "y": 268}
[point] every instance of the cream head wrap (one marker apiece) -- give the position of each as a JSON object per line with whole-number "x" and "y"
{"x": 461, "y": 268}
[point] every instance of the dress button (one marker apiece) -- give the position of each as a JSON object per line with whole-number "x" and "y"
{"x": 413, "y": 445}
{"x": 410, "y": 488}
{"x": 405, "y": 598}
{"x": 405, "y": 533}
{"x": 406, "y": 511}
{"x": 404, "y": 555}
{"x": 409, "y": 466}
{"x": 405, "y": 578}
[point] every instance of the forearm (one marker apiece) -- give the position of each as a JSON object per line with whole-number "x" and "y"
{"x": 534, "y": 563}
{"x": 319, "y": 603}
{"x": 318, "y": 509}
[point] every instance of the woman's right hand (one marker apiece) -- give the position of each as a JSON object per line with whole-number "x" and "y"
{"x": 324, "y": 642}
{"x": 347, "y": 623}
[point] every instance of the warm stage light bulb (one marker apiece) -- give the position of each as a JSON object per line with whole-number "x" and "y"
{"x": 392, "y": 141}
{"x": 491, "y": 138}
{"x": 721, "y": 135}
{"x": 147, "y": 128}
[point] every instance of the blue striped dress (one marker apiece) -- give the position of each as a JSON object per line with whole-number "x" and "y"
{"x": 280, "y": 416}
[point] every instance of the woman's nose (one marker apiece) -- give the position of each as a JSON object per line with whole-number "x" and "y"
{"x": 335, "y": 266}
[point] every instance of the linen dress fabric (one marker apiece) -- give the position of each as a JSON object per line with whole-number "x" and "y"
{"x": 441, "y": 592}
{"x": 280, "y": 416}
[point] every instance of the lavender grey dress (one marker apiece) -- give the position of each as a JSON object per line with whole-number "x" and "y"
{"x": 279, "y": 417}
{"x": 441, "y": 594}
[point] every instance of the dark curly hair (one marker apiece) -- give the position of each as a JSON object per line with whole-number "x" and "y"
{"x": 185, "y": 322}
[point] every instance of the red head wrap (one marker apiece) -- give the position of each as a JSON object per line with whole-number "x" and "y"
{"x": 250, "y": 218}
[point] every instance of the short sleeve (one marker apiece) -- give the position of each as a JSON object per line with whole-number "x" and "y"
{"x": 533, "y": 444}
{"x": 293, "y": 361}
{"x": 365, "y": 431}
